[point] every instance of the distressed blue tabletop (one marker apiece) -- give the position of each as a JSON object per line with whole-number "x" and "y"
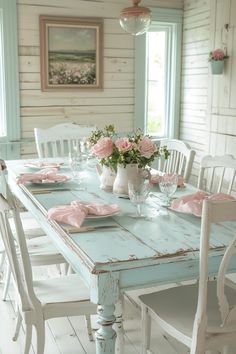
{"x": 150, "y": 240}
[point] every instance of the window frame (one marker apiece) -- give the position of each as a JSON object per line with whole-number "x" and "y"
{"x": 161, "y": 18}
{"x": 10, "y": 143}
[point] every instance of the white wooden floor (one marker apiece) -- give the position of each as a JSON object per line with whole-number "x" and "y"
{"x": 68, "y": 335}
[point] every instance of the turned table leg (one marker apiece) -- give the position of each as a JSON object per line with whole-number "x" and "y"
{"x": 105, "y": 335}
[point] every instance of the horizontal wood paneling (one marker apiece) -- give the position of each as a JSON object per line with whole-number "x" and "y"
{"x": 194, "y": 97}
{"x": 223, "y": 96}
{"x": 113, "y": 104}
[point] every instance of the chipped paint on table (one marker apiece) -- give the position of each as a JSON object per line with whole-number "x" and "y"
{"x": 140, "y": 253}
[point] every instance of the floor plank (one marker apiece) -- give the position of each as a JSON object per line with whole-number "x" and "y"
{"x": 69, "y": 336}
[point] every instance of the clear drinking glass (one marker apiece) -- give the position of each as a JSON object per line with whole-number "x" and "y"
{"x": 138, "y": 193}
{"x": 168, "y": 184}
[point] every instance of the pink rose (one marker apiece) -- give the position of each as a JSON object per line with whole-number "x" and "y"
{"x": 146, "y": 147}
{"x": 103, "y": 148}
{"x": 123, "y": 144}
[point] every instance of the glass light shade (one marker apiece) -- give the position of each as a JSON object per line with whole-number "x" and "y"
{"x": 136, "y": 19}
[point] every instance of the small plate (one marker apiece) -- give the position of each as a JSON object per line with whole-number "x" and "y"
{"x": 102, "y": 216}
{"x": 40, "y": 166}
{"x": 49, "y": 183}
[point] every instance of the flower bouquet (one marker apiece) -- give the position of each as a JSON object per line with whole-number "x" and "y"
{"x": 217, "y": 54}
{"x": 136, "y": 148}
{"x": 127, "y": 156}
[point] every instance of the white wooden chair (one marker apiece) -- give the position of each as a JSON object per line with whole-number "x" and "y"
{"x": 42, "y": 251}
{"x": 39, "y": 300}
{"x": 217, "y": 173}
{"x": 180, "y": 160}
{"x": 60, "y": 139}
{"x": 31, "y": 226}
{"x": 203, "y": 315}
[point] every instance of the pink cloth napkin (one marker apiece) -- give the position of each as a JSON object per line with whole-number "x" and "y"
{"x": 75, "y": 213}
{"x": 44, "y": 176}
{"x": 155, "y": 178}
{"x": 192, "y": 203}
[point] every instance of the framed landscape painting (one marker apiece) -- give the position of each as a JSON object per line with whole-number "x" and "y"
{"x": 71, "y": 53}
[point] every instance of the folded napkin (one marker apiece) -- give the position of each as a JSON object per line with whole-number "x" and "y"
{"x": 39, "y": 164}
{"x": 44, "y": 176}
{"x": 155, "y": 178}
{"x": 192, "y": 203}
{"x": 75, "y": 213}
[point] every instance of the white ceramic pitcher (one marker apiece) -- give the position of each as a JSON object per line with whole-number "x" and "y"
{"x": 107, "y": 176}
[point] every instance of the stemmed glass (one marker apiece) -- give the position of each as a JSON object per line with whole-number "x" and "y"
{"x": 138, "y": 193}
{"x": 75, "y": 164}
{"x": 168, "y": 184}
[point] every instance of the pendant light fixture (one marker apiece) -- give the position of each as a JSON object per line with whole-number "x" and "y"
{"x": 135, "y": 19}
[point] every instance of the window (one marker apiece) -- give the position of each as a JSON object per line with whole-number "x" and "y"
{"x": 157, "y": 88}
{"x": 9, "y": 82}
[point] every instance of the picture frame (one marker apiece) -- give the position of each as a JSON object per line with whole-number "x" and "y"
{"x": 71, "y": 53}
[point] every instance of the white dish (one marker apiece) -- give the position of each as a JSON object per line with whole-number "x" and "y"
{"x": 40, "y": 166}
{"x": 102, "y": 216}
{"x": 49, "y": 183}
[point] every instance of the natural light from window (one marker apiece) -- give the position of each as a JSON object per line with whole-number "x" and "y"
{"x": 156, "y": 83}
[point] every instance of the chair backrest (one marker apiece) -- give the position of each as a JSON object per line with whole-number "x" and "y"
{"x": 180, "y": 160}
{"x": 19, "y": 260}
{"x": 60, "y": 139}
{"x": 4, "y": 188}
{"x": 217, "y": 173}
{"x": 214, "y": 212}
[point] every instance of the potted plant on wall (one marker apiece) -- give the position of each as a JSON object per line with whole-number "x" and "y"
{"x": 217, "y": 59}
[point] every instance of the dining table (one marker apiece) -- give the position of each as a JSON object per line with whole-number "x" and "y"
{"x": 161, "y": 247}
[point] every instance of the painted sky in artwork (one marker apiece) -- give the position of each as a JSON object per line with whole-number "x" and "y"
{"x": 71, "y": 38}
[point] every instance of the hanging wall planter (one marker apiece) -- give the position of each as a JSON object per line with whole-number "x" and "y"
{"x": 217, "y": 67}
{"x": 217, "y": 59}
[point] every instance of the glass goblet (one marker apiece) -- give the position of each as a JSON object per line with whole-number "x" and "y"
{"x": 168, "y": 184}
{"x": 76, "y": 167}
{"x": 138, "y": 192}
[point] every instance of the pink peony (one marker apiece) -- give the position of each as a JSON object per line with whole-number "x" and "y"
{"x": 217, "y": 54}
{"x": 123, "y": 144}
{"x": 146, "y": 147}
{"x": 103, "y": 148}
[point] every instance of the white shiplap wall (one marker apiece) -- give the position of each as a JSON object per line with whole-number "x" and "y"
{"x": 115, "y": 104}
{"x": 223, "y": 94}
{"x": 195, "y": 77}
{"x": 208, "y": 108}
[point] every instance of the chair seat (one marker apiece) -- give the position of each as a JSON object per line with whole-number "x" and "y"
{"x": 177, "y": 307}
{"x": 42, "y": 251}
{"x": 58, "y": 295}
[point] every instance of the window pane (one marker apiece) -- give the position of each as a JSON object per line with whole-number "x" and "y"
{"x": 2, "y": 91}
{"x": 156, "y": 83}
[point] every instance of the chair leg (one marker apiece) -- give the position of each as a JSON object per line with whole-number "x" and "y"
{"x": 3, "y": 258}
{"x": 64, "y": 267}
{"x": 7, "y": 282}
{"x": 40, "y": 330}
{"x": 89, "y": 328}
{"x": 28, "y": 337}
{"x": 17, "y": 326}
{"x": 146, "y": 330}
{"x": 226, "y": 349}
{"x": 118, "y": 326}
